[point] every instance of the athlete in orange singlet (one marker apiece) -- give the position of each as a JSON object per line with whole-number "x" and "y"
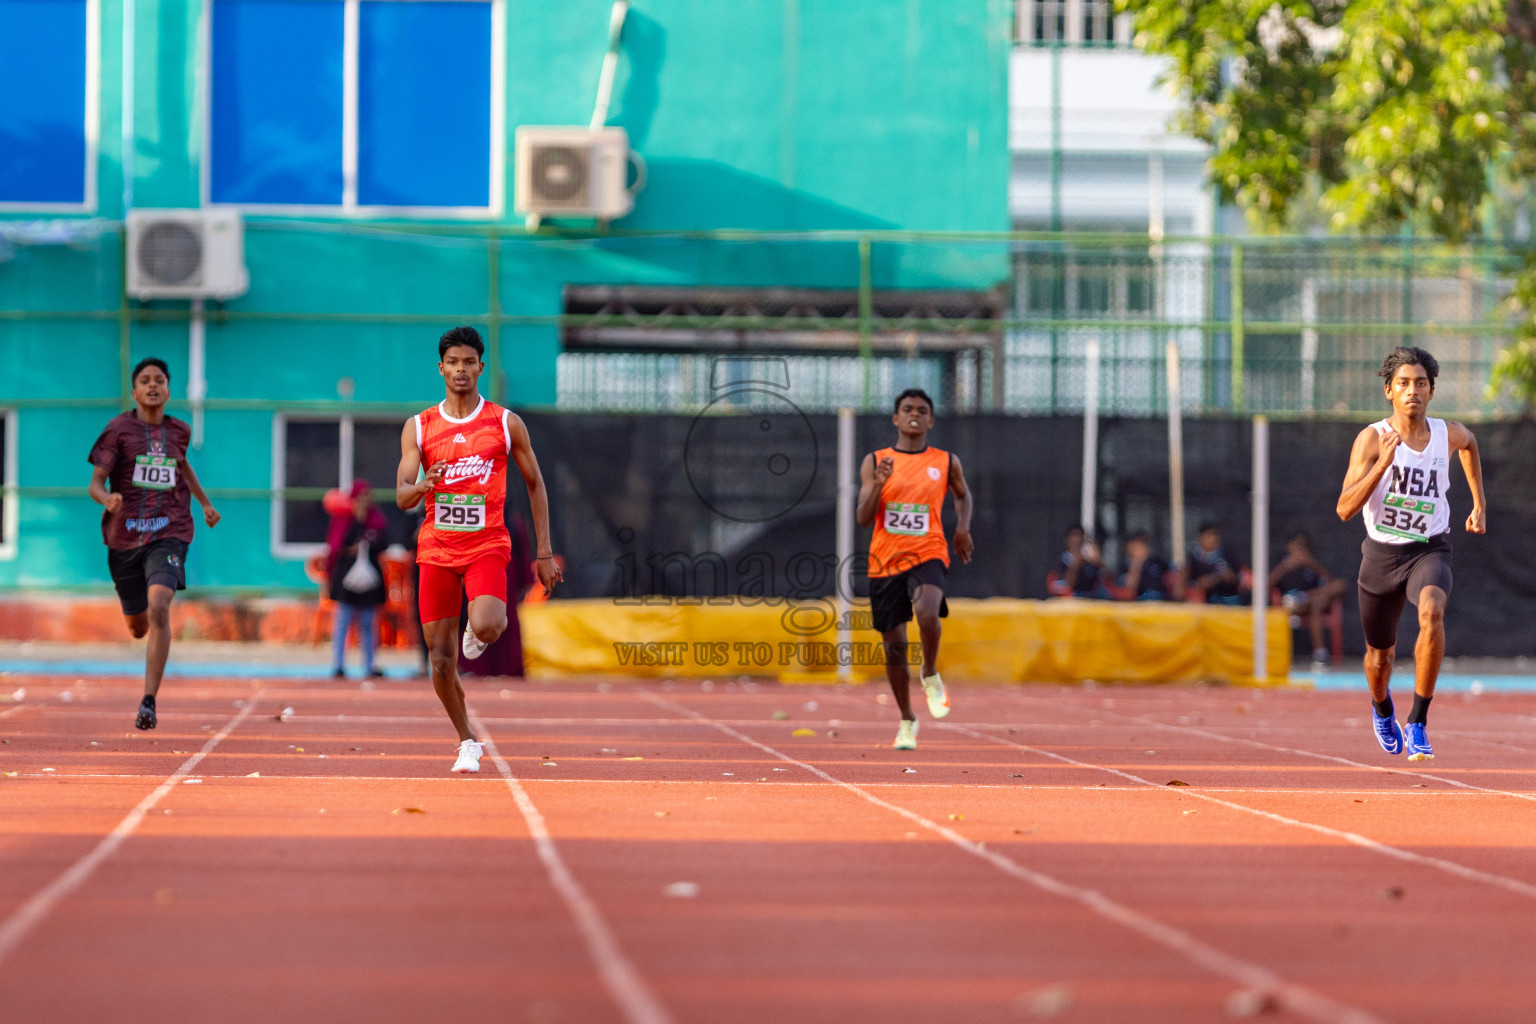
{"x": 901, "y": 493}
{"x": 465, "y": 442}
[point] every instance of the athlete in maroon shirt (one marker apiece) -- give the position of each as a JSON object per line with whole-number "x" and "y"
{"x": 147, "y": 524}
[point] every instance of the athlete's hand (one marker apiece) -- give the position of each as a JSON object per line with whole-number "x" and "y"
{"x": 114, "y": 501}
{"x": 884, "y": 468}
{"x": 963, "y": 545}
{"x": 434, "y": 477}
{"x": 548, "y": 571}
{"x": 1390, "y": 439}
{"x": 211, "y": 515}
{"x": 1477, "y": 522}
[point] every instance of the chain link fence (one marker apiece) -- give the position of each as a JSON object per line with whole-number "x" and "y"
{"x": 998, "y": 323}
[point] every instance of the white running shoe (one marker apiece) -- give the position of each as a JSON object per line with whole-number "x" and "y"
{"x": 938, "y": 697}
{"x": 906, "y": 735}
{"x": 472, "y": 645}
{"x": 469, "y": 756}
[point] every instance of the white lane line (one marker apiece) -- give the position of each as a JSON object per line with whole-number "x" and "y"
{"x": 1293, "y": 997}
{"x": 302, "y": 719}
{"x": 32, "y": 912}
{"x": 1480, "y": 738}
{"x": 617, "y": 973}
{"x": 8, "y": 712}
{"x": 1298, "y": 752}
{"x": 1449, "y": 867}
{"x": 742, "y": 781}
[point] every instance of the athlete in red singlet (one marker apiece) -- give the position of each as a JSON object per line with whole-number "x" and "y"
{"x": 901, "y": 493}
{"x": 465, "y": 443}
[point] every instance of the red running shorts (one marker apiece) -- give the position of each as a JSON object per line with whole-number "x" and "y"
{"x": 438, "y": 593}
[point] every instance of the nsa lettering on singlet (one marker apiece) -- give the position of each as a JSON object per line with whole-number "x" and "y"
{"x": 1411, "y": 503}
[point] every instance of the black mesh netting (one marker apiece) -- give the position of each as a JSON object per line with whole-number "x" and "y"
{"x": 744, "y": 505}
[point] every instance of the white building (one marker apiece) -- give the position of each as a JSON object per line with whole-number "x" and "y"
{"x": 1089, "y": 129}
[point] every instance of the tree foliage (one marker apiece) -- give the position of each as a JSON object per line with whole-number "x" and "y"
{"x": 1362, "y": 116}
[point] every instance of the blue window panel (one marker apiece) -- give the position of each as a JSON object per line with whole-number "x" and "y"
{"x": 277, "y": 91}
{"x": 424, "y": 104}
{"x": 42, "y": 101}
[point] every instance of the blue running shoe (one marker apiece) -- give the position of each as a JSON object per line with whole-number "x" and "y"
{"x": 1387, "y": 733}
{"x": 1418, "y": 743}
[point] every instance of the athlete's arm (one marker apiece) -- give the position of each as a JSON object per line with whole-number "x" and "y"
{"x": 1369, "y": 461}
{"x": 210, "y": 514}
{"x": 962, "y": 492}
{"x": 99, "y": 493}
{"x": 544, "y": 564}
{"x": 872, "y": 478}
{"x": 1464, "y": 443}
{"x": 408, "y": 489}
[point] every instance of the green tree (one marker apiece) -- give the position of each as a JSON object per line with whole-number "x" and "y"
{"x": 1362, "y": 116}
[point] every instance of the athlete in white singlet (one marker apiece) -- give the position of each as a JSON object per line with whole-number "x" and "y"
{"x": 1399, "y": 476}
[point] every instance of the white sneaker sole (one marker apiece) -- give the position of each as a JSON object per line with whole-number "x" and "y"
{"x": 466, "y": 769}
{"x": 1421, "y": 757}
{"x": 471, "y": 645}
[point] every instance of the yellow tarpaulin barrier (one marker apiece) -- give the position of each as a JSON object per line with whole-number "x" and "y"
{"x": 993, "y": 640}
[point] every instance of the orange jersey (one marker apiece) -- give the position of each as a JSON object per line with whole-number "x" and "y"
{"x": 907, "y": 527}
{"x": 464, "y": 512}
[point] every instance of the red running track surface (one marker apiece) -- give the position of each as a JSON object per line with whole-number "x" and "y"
{"x": 1034, "y": 862}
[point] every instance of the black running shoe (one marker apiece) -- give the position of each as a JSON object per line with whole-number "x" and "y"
{"x": 146, "y": 719}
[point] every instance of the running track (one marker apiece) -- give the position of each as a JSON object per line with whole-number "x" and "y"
{"x": 1035, "y": 864}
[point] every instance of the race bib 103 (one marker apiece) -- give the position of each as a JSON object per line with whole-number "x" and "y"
{"x": 156, "y": 472}
{"x": 906, "y": 519}
{"x": 463, "y": 513}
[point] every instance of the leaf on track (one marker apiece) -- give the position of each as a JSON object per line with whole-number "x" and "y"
{"x": 1176, "y": 782}
{"x": 779, "y": 716}
{"x": 804, "y": 732}
{"x": 409, "y": 810}
{"x": 254, "y": 775}
{"x": 1050, "y": 1001}
{"x": 637, "y": 757}
{"x": 1251, "y": 1003}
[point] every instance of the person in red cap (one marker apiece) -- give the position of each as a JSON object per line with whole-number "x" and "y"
{"x": 358, "y": 533}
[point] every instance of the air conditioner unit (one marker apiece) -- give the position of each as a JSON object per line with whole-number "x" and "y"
{"x": 186, "y": 254}
{"x": 574, "y": 172}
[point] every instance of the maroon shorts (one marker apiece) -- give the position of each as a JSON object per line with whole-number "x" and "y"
{"x": 440, "y": 587}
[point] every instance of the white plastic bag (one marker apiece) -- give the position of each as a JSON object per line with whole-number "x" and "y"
{"x": 362, "y": 577}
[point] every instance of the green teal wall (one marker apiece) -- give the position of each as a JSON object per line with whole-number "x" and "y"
{"x": 790, "y": 115}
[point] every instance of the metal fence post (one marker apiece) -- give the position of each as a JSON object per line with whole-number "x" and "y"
{"x": 124, "y": 333}
{"x": 493, "y": 307}
{"x": 866, "y": 313}
{"x": 1237, "y": 328}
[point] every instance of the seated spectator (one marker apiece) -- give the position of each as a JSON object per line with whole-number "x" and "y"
{"x": 1144, "y": 575}
{"x": 1079, "y": 572}
{"x": 1308, "y": 589}
{"x": 1210, "y": 573}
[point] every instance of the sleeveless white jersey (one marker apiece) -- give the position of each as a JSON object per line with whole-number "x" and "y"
{"x": 1411, "y": 503}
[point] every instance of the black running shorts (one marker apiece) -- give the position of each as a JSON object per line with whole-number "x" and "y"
{"x": 133, "y": 570}
{"x": 890, "y": 597}
{"x": 1393, "y": 573}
